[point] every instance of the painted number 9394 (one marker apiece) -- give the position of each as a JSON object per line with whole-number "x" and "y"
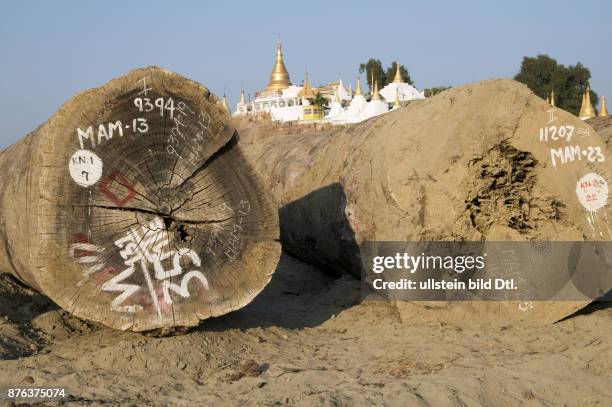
{"x": 163, "y": 105}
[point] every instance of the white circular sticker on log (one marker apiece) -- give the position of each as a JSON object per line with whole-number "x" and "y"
{"x": 85, "y": 168}
{"x": 592, "y": 191}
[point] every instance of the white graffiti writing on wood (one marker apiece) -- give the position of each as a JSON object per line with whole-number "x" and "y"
{"x": 565, "y": 133}
{"x": 150, "y": 245}
{"x": 567, "y": 154}
{"x": 219, "y": 241}
{"x": 87, "y": 254}
{"x": 192, "y": 146}
{"x": 105, "y": 132}
{"x": 147, "y": 105}
{"x": 115, "y": 284}
{"x": 555, "y": 133}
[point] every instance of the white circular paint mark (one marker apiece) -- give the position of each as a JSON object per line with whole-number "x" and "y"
{"x": 85, "y": 168}
{"x": 592, "y": 191}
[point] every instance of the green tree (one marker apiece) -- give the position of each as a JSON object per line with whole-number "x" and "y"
{"x": 391, "y": 73}
{"x": 543, "y": 74}
{"x": 374, "y": 68}
{"x": 319, "y": 100}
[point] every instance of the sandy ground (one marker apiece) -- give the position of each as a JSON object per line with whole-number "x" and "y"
{"x": 308, "y": 341}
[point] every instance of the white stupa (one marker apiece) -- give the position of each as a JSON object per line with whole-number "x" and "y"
{"x": 358, "y": 103}
{"x": 343, "y": 94}
{"x": 336, "y": 109}
{"x": 241, "y": 106}
{"x": 405, "y": 90}
{"x": 376, "y": 106}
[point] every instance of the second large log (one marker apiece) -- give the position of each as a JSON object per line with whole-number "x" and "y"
{"x": 484, "y": 162}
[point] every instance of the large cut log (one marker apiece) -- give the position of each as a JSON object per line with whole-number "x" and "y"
{"x": 134, "y": 206}
{"x": 603, "y": 126}
{"x": 484, "y": 162}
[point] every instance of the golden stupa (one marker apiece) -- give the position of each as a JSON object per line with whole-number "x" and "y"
{"x": 604, "y": 110}
{"x": 358, "y": 87}
{"x": 307, "y": 90}
{"x": 375, "y": 94}
{"x": 398, "y": 75}
{"x": 224, "y": 104}
{"x": 279, "y": 79}
{"x": 552, "y": 98}
{"x": 581, "y": 113}
{"x": 586, "y": 110}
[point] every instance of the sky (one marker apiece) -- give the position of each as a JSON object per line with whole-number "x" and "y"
{"x": 50, "y": 50}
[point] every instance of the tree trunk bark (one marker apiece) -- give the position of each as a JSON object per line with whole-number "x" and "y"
{"x": 134, "y": 206}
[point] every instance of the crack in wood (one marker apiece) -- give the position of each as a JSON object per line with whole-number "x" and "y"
{"x": 161, "y": 214}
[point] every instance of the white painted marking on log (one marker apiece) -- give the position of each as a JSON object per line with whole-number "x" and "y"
{"x": 85, "y": 168}
{"x": 151, "y": 245}
{"x": 95, "y": 261}
{"x": 183, "y": 289}
{"x": 152, "y": 292}
{"x": 126, "y": 290}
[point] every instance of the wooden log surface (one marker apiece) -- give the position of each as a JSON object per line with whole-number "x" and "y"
{"x": 488, "y": 161}
{"x": 134, "y": 206}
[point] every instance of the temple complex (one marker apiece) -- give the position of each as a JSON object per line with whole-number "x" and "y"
{"x": 286, "y": 102}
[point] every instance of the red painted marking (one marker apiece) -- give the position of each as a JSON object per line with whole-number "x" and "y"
{"x": 115, "y": 176}
{"x": 164, "y": 307}
{"x": 81, "y": 238}
{"x": 104, "y": 275}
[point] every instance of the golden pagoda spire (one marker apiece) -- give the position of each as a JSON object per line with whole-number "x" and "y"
{"x": 552, "y": 98}
{"x": 604, "y": 110}
{"x": 397, "y": 98}
{"x": 242, "y": 101}
{"x": 279, "y": 78}
{"x": 224, "y": 103}
{"x": 375, "y": 95}
{"x": 307, "y": 90}
{"x": 398, "y": 75}
{"x": 358, "y": 87}
{"x": 582, "y": 105}
{"x": 589, "y": 112}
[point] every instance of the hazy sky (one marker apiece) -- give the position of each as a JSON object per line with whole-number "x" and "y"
{"x": 49, "y": 50}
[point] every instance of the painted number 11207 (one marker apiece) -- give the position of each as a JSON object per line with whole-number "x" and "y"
{"x": 556, "y": 133}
